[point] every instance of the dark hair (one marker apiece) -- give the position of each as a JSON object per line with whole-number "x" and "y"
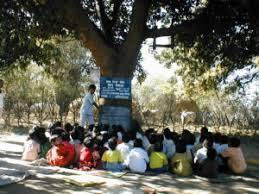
{"x": 41, "y": 135}
{"x": 57, "y": 124}
{"x": 188, "y": 137}
{"x": 112, "y": 144}
{"x": 180, "y": 147}
{"x": 57, "y": 131}
{"x": 65, "y": 136}
{"x": 159, "y": 138}
{"x": 211, "y": 153}
{"x": 204, "y": 130}
{"x": 207, "y": 135}
{"x": 224, "y": 139}
{"x": 68, "y": 127}
{"x": 234, "y": 142}
{"x": 132, "y": 135}
{"x": 92, "y": 86}
{"x": 98, "y": 142}
{"x": 152, "y": 138}
{"x": 167, "y": 133}
{"x": 138, "y": 143}
{"x": 217, "y": 137}
{"x": 149, "y": 131}
{"x": 88, "y": 142}
{"x": 158, "y": 147}
{"x": 33, "y": 134}
{"x": 77, "y": 133}
{"x": 208, "y": 143}
{"x": 125, "y": 138}
{"x": 175, "y": 136}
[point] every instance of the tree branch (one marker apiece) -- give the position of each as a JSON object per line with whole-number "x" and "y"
{"x": 78, "y": 20}
{"x": 115, "y": 13}
{"x": 135, "y": 37}
{"x": 103, "y": 17}
{"x": 188, "y": 28}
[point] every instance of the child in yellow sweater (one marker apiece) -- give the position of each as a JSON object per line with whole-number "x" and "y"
{"x": 158, "y": 159}
{"x": 180, "y": 163}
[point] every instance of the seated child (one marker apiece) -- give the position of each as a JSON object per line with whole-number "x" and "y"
{"x": 158, "y": 160}
{"x": 112, "y": 158}
{"x": 201, "y": 154}
{"x": 209, "y": 167}
{"x": 62, "y": 153}
{"x": 223, "y": 144}
{"x": 124, "y": 147}
{"x": 168, "y": 143}
{"x": 44, "y": 142}
{"x": 138, "y": 158}
{"x": 86, "y": 157}
{"x": 180, "y": 163}
{"x": 235, "y": 158}
{"x": 97, "y": 153}
{"x": 31, "y": 148}
{"x": 76, "y": 142}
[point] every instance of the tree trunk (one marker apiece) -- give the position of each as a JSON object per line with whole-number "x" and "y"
{"x": 115, "y": 110}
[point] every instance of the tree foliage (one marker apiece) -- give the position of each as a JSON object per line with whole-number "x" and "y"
{"x": 206, "y": 35}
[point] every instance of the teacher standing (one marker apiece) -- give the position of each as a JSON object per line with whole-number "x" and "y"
{"x": 86, "y": 111}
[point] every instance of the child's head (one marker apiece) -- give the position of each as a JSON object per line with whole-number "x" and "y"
{"x": 167, "y": 133}
{"x": 41, "y": 135}
{"x": 65, "y": 136}
{"x": 68, "y": 127}
{"x": 33, "y": 133}
{"x": 57, "y": 131}
{"x": 204, "y": 130}
{"x": 207, "y": 143}
{"x": 92, "y": 88}
{"x": 138, "y": 143}
{"x": 152, "y": 138}
{"x": 217, "y": 138}
{"x": 188, "y": 137}
{"x": 55, "y": 140}
{"x": 75, "y": 134}
{"x": 158, "y": 147}
{"x": 175, "y": 136}
{"x": 88, "y": 142}
{"x": 112, "y": 143}
{"x": 125, "y": 138}
{"x": 180, "y": 147}
{"x": 211, "y": 153}
{"x": 159, "y": 138}
{"x": 132, "y": 135}
{"x": 149, "y": 131}
{"x": 224, "y": 139}
{"x": 98, "y": 142}
{"x": 234, "y": 142}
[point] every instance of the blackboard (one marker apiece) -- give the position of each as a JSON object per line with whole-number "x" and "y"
{"x": 115, "y": 88}
{"x": 115, "y": 115}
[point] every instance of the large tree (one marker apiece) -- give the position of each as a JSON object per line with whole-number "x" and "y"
{"x": 114, "y": 30}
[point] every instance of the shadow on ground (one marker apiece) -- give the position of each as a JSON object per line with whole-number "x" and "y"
{"x": 129, "y": 183}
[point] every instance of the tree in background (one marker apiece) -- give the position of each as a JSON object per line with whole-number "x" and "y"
{"x": 41, "y": 93}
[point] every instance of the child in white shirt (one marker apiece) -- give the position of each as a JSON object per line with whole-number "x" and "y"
{"x": 31, "y": 148}
{"x": 138, "y": 158}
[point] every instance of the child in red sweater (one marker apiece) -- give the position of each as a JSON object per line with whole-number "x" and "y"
{"x": 86, "y": 157}
{"x": 62, "y": 153}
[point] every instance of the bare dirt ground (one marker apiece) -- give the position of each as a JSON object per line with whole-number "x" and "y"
{"x": 45, "y": 183}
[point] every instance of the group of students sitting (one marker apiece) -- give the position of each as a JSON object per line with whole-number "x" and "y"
{"x": 117, "y": 150}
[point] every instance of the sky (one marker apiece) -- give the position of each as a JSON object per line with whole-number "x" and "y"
{"x": 152, "y": 67}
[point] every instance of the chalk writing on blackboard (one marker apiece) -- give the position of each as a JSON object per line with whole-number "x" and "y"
{"x": 115, "y": 88}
